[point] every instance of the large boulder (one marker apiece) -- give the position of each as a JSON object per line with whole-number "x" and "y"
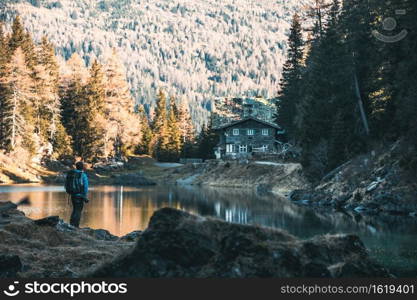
{"x": 178, "y": 244}
{"x": 50, "y": 248}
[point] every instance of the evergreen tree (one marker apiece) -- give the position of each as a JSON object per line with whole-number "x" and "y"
{"x": 46, "y": 58}
{"x": 404, "y": 79}
{"x": 47, "y": 76}
{"x": 290, "y": 82}
{"x": 145, "y": 145}
{"x": 71, "y": 92}
{"x": 46, "y": 104}
{"x": 356, "y": 20}
{"x": 327, "y": 109}
{"x": 175, "y": 141}
{"x": 207, "y": 141}
{"x": 160, "y": 127}
{"x": 88, "y": 134}
{"x": 21, "y": 39}
{"x": 18, "y": 37}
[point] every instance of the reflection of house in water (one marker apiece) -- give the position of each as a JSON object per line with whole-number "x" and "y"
{"x": 233, "y": 214}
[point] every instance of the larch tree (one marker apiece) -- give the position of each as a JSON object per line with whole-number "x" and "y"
{"x": 4, "y": 104}
{"x": 123, "y": 130}
{"x": 185, "y": 122}
{"x": 16, "y": 105}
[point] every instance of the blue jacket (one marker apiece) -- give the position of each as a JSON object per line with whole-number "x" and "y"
{"x": 84, "y": 180}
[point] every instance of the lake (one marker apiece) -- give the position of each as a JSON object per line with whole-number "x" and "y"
{"x": 391, "y": 239}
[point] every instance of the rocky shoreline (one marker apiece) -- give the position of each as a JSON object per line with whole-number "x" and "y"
{"x": 269, "y": 177}
{"x": 370, "y": 184}
{"x": 130, "y": 172}
{"x": 175, "y": 244}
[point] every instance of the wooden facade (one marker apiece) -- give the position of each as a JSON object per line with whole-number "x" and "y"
{"x": 245, "y": 137}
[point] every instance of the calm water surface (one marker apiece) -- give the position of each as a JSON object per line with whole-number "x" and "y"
{"x": 391, "y": 240}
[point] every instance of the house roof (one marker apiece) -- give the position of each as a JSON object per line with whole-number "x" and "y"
{"x": 247, "y": 119}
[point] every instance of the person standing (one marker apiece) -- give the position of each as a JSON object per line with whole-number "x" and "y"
{"x": 76, "y": 185}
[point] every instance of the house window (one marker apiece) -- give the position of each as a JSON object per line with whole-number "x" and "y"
{"x": 230, "y": 148}
{"x": 235, "y": 131}
{"x": 251, "y": 132}
{"x": 243, "y": 148}
{"x": 265, "y": 131}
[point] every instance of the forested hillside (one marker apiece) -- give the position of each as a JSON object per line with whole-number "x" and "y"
{"x": 196, "y": 49}
{"x": 352, "y": 84}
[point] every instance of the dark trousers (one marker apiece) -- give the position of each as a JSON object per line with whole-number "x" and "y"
{"x": 77, "y": 208}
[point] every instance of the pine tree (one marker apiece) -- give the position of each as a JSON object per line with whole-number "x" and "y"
{"x": 18, "y": 37}
{"x": 290, "y": 82}
{"x": 207, "y": 141}
{"x": 175, "y": 141}
{"x": 89, "y": 131}
{"x": 21, "y": 39}
{"x": 356, "y": 20}
{"x": 326, "y": 112}
{"x": 47, "y": 76}
{"x": 46, "y": 57}
{"x": 404, "y": 89}
{"x": 145, "y": 145}
{"x": 160, "y": 127}
{"x": 70, "y": 92}
{"x": 46, "y": 104}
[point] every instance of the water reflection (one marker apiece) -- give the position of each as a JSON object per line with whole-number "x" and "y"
{"x": 124, "y": 209}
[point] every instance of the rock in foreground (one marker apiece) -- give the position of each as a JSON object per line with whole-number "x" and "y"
{"x": 178, "y": 244}
{"x": 51, "y": 248}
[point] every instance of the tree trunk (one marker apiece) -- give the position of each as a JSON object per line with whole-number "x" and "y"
{"x": 360, "y": 102}
{"x": 14, "y": 122}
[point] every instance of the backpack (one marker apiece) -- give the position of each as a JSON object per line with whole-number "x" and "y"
{"x": 73, "y": 183}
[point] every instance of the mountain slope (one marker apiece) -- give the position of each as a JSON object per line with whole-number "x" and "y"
{"x": 197, "y": 49}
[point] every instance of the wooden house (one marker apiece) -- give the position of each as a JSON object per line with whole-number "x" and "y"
{"x": 243, "y": 138}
